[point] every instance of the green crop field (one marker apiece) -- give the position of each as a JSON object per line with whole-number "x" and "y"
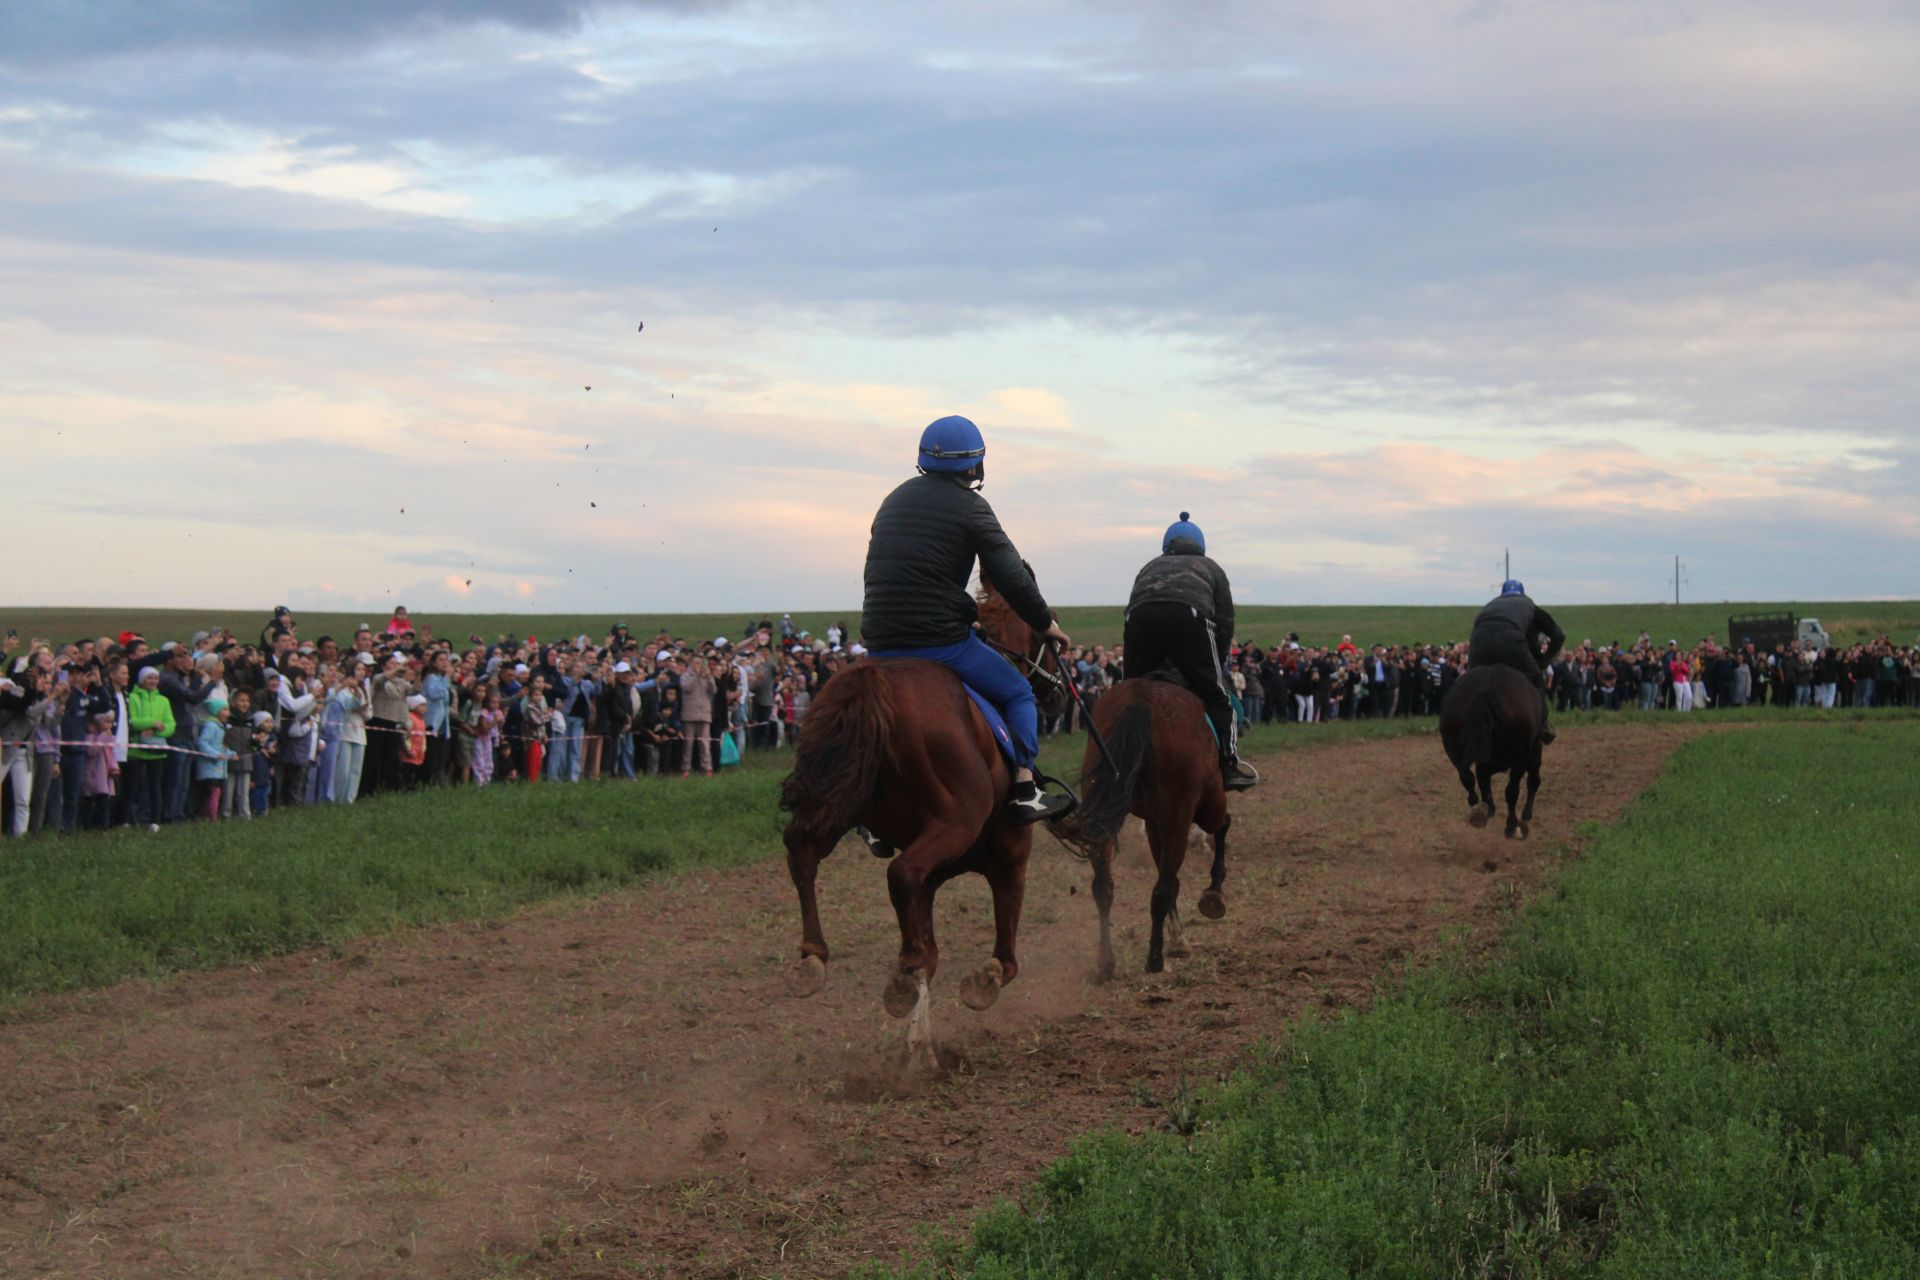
{"x": 1694, "y": 1058}
{"x": 1094, "y": 624}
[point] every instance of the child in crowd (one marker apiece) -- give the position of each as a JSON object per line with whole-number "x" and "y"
{"x": 486, "y": 732}
{"x": 534, "y": 714}
{"x": 236, "y": 795}
{"x": 210, "y": 759}
{"x": 413, "y": 754}
{"x": 265, "y": 747}
{"x": 99, "y": 775}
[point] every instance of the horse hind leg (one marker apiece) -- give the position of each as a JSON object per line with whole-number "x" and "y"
{"x": 1533, "y": 785}
{"x": 804, "y": 853}
{"x": 1103, "y": 965}
{"x": 1213, "y": 900}
{"x": 1169, "y": 850}
{"x": 1177, "y": 948}
{"x": 1484, "y": 777}
{"x": 1516, "y": 829}
{"x": 1474, "y": 816}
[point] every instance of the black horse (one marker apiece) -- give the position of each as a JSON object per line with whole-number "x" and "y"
{"x": 1491, "y": 724}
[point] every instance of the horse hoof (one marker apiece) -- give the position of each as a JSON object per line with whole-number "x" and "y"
{"x": 1213, "y": 904}
{"x": 808, "y": 977}
{"x": 1178, "y": 951}
{"x": 979, "y": 989}
{"x": 1518, "y": 831}
{"x": 1476, "y": 819}
{"x": 903, "y": 992}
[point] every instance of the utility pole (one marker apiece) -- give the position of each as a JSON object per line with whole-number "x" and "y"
{"x": 1509, "y": 563}
{"x": 1676, "y": 580}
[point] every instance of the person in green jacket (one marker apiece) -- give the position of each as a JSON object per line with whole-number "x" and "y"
{"x": 149, "y": 725}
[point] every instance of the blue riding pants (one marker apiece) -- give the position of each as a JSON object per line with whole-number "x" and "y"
{"x": 996, "y": 680}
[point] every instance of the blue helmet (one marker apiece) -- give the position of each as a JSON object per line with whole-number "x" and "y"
{"x": 1512, "y": 587}
{"x": 952, "y": 444}
{"x": 1183, "y": 528}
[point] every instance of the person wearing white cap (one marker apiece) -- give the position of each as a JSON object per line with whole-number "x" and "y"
{"x": 150, "y": 723}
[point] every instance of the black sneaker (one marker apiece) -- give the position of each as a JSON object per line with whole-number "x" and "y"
{"x": 875, "y": 845}
{"x": 1547, "y": 735}
{"x": 1029, "y": 804}
{"x": 1237, "y": 775}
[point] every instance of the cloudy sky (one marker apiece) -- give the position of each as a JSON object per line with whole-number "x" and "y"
{"x": 304, "y": 302}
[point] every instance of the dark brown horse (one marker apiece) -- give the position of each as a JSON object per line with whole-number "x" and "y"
{"x": 1491, "y": 724}
{"x": 1168, "y": 773}
{"x": 897, "y": 747}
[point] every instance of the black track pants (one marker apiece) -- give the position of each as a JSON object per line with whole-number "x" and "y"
{"x": 1173, "y": 635}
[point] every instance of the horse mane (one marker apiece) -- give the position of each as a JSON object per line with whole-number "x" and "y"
{"x": 997, "y": 617}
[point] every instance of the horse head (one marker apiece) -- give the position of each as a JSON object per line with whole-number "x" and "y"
{"x": 1036, "y": 659}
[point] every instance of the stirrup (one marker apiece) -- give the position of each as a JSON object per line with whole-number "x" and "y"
{"x": 1043, "y": 805}
{"x": 1237, "y": 775}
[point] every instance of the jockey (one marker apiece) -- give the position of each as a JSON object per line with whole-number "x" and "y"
{"x": 1508, "y": 633}
{"x": 919, "y": 557}
{"x": 1181, "y": 616}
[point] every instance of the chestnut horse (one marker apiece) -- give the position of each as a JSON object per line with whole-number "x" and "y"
{"x": 1490, "y": 724}
{"x": 897, "y": 747}
{"x": 1166, "y": 769}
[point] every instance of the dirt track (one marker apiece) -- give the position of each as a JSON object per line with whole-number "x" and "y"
{"x": 623, "y": 1087}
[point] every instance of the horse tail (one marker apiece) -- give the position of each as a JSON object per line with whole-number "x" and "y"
{"x": 1477, "y": 731}
{"x": 838, "y": 762}
{"x": 1105, "y": 801}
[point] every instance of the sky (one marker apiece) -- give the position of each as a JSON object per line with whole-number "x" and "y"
{"x": 558, "y": 305}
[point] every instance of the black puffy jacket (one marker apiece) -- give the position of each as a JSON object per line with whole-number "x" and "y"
{"x": 1185, "y": 576}
{"x": 1510, "y": 627}
{"x": 920, "y": 557}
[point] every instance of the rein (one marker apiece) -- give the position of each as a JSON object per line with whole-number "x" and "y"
{"x": 1032, "y": 664}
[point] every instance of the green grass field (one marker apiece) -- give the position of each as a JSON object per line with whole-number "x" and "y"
{"x": 1693, "y": 1058}
{"x": 92, "y": 908}
{"x": 89, "y": 909}
{"x": 1265, "y": 624}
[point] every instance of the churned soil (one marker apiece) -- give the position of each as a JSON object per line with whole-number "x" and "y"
{"x": 623, "y": 1086}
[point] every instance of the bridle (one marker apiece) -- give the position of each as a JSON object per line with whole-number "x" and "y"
{"x": 1029, "y": 666}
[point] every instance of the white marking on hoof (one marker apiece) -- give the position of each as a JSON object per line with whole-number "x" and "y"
{"x": 920, "y": 1055}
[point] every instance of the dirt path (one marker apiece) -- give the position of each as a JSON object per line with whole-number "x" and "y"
{"x": 623, "y": 1087}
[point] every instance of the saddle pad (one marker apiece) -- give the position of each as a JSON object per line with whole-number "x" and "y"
{"x": 995, "y": 723}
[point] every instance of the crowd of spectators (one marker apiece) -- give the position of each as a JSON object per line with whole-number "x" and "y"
{"x": 1299, "y": 683}
{"x": 112, "y": 731}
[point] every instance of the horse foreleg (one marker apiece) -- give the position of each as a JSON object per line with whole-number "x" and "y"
{"x": 1516, "y": 830}
{"x": 1103, "y": 965}
{"x": 1213, "y": 902}
{"x": 1177, "y": 948}
{"x": 803, "y": 863}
